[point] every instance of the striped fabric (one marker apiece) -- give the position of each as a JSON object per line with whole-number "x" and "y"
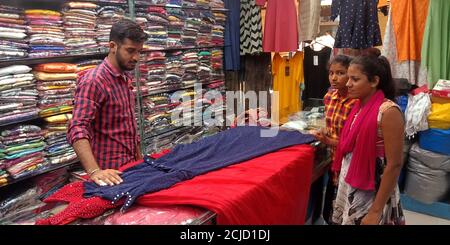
{"x": 250, "y": 28}
{"x": 104, "y": 114}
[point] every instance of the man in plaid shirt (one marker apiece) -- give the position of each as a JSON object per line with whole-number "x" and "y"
{"x": 103, "y": 129}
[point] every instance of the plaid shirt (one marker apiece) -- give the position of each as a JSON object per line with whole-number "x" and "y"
{"x": 337, "y": 109}
{"x": 104, "y": 114}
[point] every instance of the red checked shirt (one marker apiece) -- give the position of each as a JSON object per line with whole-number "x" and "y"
{"x": 337, "y": 109}
{"x": 104, "y": 114}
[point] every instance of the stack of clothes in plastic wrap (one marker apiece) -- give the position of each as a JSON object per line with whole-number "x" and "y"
{"x": 21, "y": 151}
{"x": 203, "y": 4}
{"x": 156, "y": 28}
{"x": 18, "y": 94}
{"x": 106, "y": 17}
{"x": 191, "y": 27}
{"x": 22, "y": 204}
{"x": 174, "y": 70}
{"x": 216, "y": 4}
{"x": 58, "y": 150}
{"x": 190, "y": 67}
{"x": 204, "y": 35}
{"x": 13, "y": 33}
{"x": 156, "y": 113}
{"x": 47, "y": 37}
{"x": 154, "y": 71}
{"x": 56, "y": 85}
{"x": 80, "y": 27}
{"x": 204, "y": 68}
{"x": 183, "y": 114}
{"x": 217, "y": 75}
{"x": 176, "y": 17}
{"x": 189, "y": 3}
{"x": 218, "y": 29}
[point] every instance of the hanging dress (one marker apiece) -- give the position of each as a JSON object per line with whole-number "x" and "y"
{"x": 280, "y": 29}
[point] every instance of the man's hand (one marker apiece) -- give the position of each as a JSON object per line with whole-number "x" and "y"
{"x": 321, "y": 135}
{"x": 106, "y": 177}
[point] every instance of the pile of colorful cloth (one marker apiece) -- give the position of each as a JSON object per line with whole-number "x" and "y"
{"x": 13, "y": 33}
{"x": 21, "y": 151}
{"x": 56, "y": 86}
{"x": 18, "y": 94}
{"x": 80, "y": 27}
{"x": 58, "y": 150}
{"x": 45, "y": 32}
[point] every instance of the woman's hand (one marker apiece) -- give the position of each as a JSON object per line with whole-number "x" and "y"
{"x": 371, "y": 218}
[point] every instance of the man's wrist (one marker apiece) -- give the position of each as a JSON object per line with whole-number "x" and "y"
{"x": 91, "y": 172}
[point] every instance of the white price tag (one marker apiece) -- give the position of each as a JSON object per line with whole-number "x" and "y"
{"x": 316, "y": 60}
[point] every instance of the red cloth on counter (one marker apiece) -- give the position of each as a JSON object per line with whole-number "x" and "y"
{"x": 270, "y": 189}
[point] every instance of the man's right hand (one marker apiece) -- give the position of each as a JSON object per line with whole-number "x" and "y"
{"x": 107, "y": 177}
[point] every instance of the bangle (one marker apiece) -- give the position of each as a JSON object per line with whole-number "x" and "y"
{"x": 93, "y": 171}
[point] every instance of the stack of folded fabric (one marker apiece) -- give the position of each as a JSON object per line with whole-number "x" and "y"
{"x": 191, "y": 27}
{"x": 79, "y": 24}
{"x": 217, "y": 4}
{"x": 204, "y": 68}
{"x": 21, "y": 150}
{"x": 157, "y": 27}
{"x": 141, "y": 17}
{"x": 45, "y": 32}
{"x": 174, "y": 68}
{"x": 56, "y": 86}
{"x": 176, "y": 17}
{"x": 13, "y": 33}
{"x": 18, "y": 94}
{"x": 217, "y": 65}
{"x": 189, "y": 3}
{"x": 58, "y": 150}
{"x": 173, "y": 3}
{"x": 155, "y": 76}
{"x": 106, "y": 17}
{"x": 155, "y": 109}
{"x": 203, "y": 4}
{"x": 204, "y": 35}
{"x": 185, "y": 110}
{"x": 218, "y": 28}
{"x": 190, "y": 67}
{"x": 86, "y": 65}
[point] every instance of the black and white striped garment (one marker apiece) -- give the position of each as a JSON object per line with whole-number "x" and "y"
{"x": 250, "y": 28}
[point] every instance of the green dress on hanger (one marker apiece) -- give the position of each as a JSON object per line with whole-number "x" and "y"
{"x": 436, "y": 42}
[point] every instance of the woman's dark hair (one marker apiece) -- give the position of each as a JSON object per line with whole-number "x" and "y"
{"x": 374, "y": 65}
{"x": 344, "y": 60}
{"x": 125, "y": 28}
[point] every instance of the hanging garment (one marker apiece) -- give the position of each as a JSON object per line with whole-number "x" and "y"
{"x": 287, "y": 78}
{"x": 251, "y": 29}
{"x": 232, "y": 35}
{"x": 280, "y": 28}
{"x": 435, "y": 48}
{"x": 308, "y": 19}
{"x": 187, "y": 161}
{"x": 315, "y": 65}
{"x": 358, "y": 24}
{"x": 410, "y": 69}
{"x": 409, "y": 17}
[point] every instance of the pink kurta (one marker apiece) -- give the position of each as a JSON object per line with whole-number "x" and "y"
{"x": 280, "y": 29}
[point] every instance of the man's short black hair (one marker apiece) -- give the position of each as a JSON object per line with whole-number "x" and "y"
{"x": 127, "y": 29}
